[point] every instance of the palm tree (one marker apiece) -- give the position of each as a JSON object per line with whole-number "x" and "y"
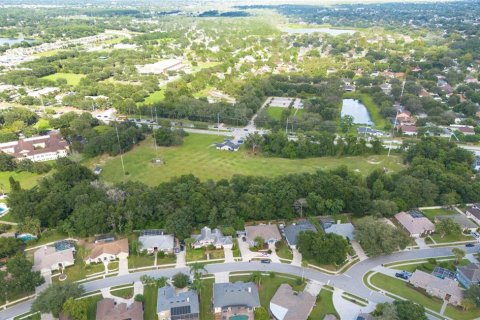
{"x": 198, "y": 285}
{"x": 161, "y": 282}
{"x": 459, "y": 254}
{"x": 197, "y": 269}
{"x": 256, "y": 277}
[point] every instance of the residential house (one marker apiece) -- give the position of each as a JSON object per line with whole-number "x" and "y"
{"x": 213, "y": 237}
{"x": 292, "y": 231}
{"x": 345, "y": 230}
{"x": 409, "y": 130}
{"x": 404, "y": 117}
{"x": 415, "y": 223}
{"x": 235, "y": 299}
{"x": 287, "y": 304}
{"x": 38, "y": 148}
{"x": 445, "y": 289}
{"x": 108, "y": 251}
{"x": 466, "y": 130}
{"x": 269, "y": 233}
{"x": 228, "y": 145}
{"x": 444, "y": 86}
{"x": 177, "y": 306}
{"x": 473, "y": 212}
{"x": 108, "y": 309}
{"x": 155, "y": 241}
{"x": 48, "y": 258}
{"x": 465, "y": 223}
{"x": 469, "y": 274}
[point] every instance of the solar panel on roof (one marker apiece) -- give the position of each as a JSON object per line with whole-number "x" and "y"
{"x": 180, "y": 310}
{"x": 152, "y": 232}
{"x": 416, "y": 214}
{"x": 443, "y": 273}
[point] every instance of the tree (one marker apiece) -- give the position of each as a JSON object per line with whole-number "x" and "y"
{"x": 261, "y": 314}
{"x": 379, "y": 238}
{"x": 147, "y": 280}
{"x": 23, "y": 279}
{"x": 197, "y": 269}
{"x": 55, "y": 296}
{"x": 346, "y": 122}
{"x": 408, "y": 310}
{"x": 256, "y": 277}
{"x": 30, "y": 225}
{"x": 468, "y": 304}
{"x": 7, "y": 162}
{"x": 473, "y": 293}
{"x": 447, "y": 227}
{"x": 259, "y": 242}
{"x": 324, "y": 248}
{"x": 180, "y": 280}
{"x": 9, "y": 247}
{"x": 459, "y": 254}
{"x": 386, "y": 311}
{"x": 254, "y": 141}
{"x": 75, "y": 309}
{"x": 161, "y": 282}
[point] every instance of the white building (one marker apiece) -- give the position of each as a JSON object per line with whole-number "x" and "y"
{"x": 38, "y": 148}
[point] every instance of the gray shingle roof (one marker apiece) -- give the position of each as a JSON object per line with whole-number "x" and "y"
{"x": 235, "y": 294}
{"x": 342, "y": 229}
{"x": 292, "y": 231}
{"x": 187, "y": 301}
{"x": 471, "y": 272}
{"x": 460, "y": 219}
{"x": 161, "y": 242}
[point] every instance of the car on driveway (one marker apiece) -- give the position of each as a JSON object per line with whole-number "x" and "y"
{"x": 403, "y": 275}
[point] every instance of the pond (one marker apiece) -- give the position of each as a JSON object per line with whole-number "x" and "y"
{"x": 330, "y": 31}
{"x": 11, "y": 41}
{"x": 356, "y": 109}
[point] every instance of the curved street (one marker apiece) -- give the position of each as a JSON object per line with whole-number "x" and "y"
{"x": 350, "y": 281}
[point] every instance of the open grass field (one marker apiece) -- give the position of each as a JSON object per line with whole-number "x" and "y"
{"x": 72, "y": 78}
{"x": 374, "y": 111}
{"x": 323, "y": 306}
{"x": 156, "y": 96}
{"x": 275, "y": 112}
{"x": 197, "y": 156}
{"x": 204, "y": 65}
{"x": 27, "y": 179}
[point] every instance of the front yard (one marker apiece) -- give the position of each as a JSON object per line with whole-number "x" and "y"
{"x": 203, "y": 253}
{"x": 283, "y": 251}
{"x": 451, "y": 238}
{"x": 139, "y": 261}
{"x": 324, "y": 305}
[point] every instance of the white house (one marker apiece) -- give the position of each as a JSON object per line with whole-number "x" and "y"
{"x": 213, "y": 237}
{"x": 155, "y": 241}
{"x": 228, "y": 145}
{"x": 108, "y": 251}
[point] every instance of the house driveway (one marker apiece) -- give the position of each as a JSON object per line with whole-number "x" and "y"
{"x": 228, "y": 254}
{"x": 348, "y": 310}
{"x": 359, "y": 250}
{"x": 247, "y": 255}
{"x": 297, "y": 258}
{"x": 122, "y": 266}
{"x": 421, "y": 243}
{"x": 273, "y": 256}
{"x": 181, "y": 259}
{"x": 222, "y": 277}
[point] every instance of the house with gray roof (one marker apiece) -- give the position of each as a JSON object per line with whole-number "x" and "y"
{"x": 239, "y": 298}
{"x": 473, "y": 212}
{"x": 155, "y": 241}
{"x": 445, "y": 289}
{"x": 469, "y": 274}
{"x": 213, "y": 237}
{"x": 177, "y": 306}
{"x": 345, "y": 230}
{"x": 228, "y": 145}
{"x": 464, "y": 222}
{"x": 287, "y": 304}
{"x": 292, "y": 231}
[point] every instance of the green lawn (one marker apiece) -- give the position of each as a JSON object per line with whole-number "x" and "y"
{"x": 284, "y": 251}
{"x": 195, "y": 254}
{"x": 167, "y": 259}
{"x": 47, "y": 237}
{"x": 236, "y": 249}
{"x": 268, "y": 286}
{"x": 460, "y": 314}
{"x": 406, "y": 291}
{"x": 80, "y": 269}
{"x": 451, "y": 238}
{"x": 150, "y": 306}
{"x": 125, "y": 293}
{"x": 374, "y": 111}
{"x": 432, "y": 213}
{"x": 197, "y": 156}
{"x": 72, "y": 78}
{"x": 139, "y": 261}
{"x": 275, "y": 112}
{"x": 206, "y": 312}
{"x": 27, "y": 180}
{"x": 324, "y": 306}
{"x": 92, "y": 306}
{"x": 156, "y": 96}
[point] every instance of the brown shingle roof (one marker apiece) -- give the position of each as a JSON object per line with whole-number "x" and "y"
{"x": 108, "y": 310}
{"x": 298, "y": 305}
{"x": 113, "y": 248}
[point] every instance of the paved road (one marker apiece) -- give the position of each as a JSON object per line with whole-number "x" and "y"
{"x": 351, "y": 281}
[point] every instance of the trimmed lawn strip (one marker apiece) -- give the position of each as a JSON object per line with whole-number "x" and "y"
{"x": 150, "y": 306}
{"x": 451, "y": 238}
{"x": 323, "y": 306}
{"x": 167, "y": 259}
{"x": 206, "y": 312}
{"x": 27, "y": 179}
{"x": 403, "y": 289}
{"x": 125, "y": 293}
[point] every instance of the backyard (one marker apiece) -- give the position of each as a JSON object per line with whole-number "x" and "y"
{"x": 197, "y": 156}
{"x": 432, "y": 213}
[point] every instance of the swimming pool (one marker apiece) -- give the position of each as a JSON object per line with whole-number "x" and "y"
{"x": 3, "y": 209}
{"x": 239, "y": 317}
{"x": 26, "y": 237}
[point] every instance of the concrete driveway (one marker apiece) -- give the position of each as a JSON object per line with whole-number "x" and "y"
{"x": 122, "y": 266}
{"x": 297, "y": 258}
{"x": 228, "y": 255}
{"x": 181, "y": 259}
{"x": 348, "y": 310}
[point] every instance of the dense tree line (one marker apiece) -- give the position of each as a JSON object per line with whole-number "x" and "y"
{"x": 8, "y": 163}
{"x": 72, "y": 199}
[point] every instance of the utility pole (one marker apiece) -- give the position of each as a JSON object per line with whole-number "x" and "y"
{"x": 286, "y": 127}
{"x": 218, "y": 122}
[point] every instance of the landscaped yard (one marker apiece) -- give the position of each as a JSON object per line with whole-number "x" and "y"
{"x": 198, "y": 157}
{"x": 195, "y": 254}
{"x": 404, "y": 290}
{"x": 72, "y": 78}
{"x": 284, "y": 251}
{"x": 268, "y": 286}
{"x": 47, "y": 237}
{"x": 432, "y": 213}
{"x": 324, "y": 306}
{"x": 167, "y": 259}
{"x": 138, "y": 261}
{"x": 150, "y": 306}
{"x": 125, "y": 293}
{"x": 27, "y": 180}
{"x": 451, "y": 238}
{"x": 80, "y": 270}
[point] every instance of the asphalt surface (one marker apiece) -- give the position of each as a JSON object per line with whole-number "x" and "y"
{"x": 350, "y": 281}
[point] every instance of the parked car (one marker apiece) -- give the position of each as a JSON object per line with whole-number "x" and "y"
{"x": 403, "y": 275}
{"x": 265, "y": 261}
{"x": 469, "y": 245}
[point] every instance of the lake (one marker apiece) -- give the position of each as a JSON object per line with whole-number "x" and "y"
{"x": 11, "y": 41}
{"x": 356, "y": 109}
{"x": 330, "y": 31}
